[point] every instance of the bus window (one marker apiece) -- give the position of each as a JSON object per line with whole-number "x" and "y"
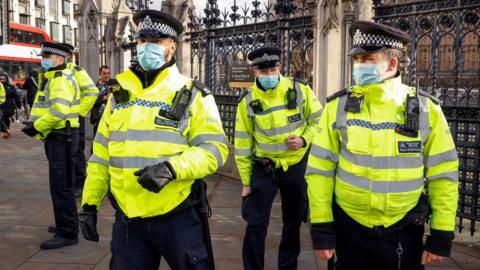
{"x": 16, "y": 35}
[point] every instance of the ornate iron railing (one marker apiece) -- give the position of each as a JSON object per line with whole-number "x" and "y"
{"x": 220, "y": 38}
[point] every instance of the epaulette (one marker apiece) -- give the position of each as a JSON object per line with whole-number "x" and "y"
{"x": 202, "y": 87}
{"x": 77, "y": 68}
{"x": 302, "y": 81}
{"x": 58, "y": 74}
{"x": 337, "y": 94}
{"x": 430, "y": 96}
{"x": 244, "y": 93}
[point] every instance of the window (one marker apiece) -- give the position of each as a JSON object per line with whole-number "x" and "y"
{"x": 67, "y": 34}
{"x": 66, "y": 8}
{"x": 39, "y": 22}
{"x": 24, "y": 12}
{"x": 55, "y": 31}
{"x": 40, "y": 3}
{"x": 53, "y": 8}
{"x": 40, "y": 12}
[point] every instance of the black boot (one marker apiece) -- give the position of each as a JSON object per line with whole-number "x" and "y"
{"x": 58, "y": 242}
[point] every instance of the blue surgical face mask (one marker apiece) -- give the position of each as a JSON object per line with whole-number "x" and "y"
{"x": 268, "y": 81}
{"x": 365, "y": 74}
{"x": 151, "y": 56}
{"x": 46, "y": 64}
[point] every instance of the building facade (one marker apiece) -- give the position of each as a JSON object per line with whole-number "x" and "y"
{"x": 55, "y": 17}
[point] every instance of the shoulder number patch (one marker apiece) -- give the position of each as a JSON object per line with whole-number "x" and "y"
{"x": 166, "y": 122}
{"x": 410, "y": 147}
{"x": 294, "y": 118}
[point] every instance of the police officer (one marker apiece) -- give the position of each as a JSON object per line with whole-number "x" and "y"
{"x": 12, "y": 102}
{"x": 276, "y": 122}
{"x": 54, "y": 118}
{"x": 3, "y": 129}
{"x": 381, "y": 144}
{"x": 88, "y": 95}
{"x": 159, "y": 132}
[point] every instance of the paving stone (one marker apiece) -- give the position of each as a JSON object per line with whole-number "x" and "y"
{"x": 14, "y": 254}
{"x": 85, "y": 252}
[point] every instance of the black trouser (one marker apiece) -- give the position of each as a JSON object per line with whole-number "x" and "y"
{"x": 63, "y": 199}
{"x": 6, "y": 119}
{"x": 80, "y": 162}
{"x": 256, "y": 209}
{"x": 140, "y": 243}
{"x": 361, "y": 248}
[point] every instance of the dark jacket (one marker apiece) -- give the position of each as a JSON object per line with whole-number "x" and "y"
{"x": 31, "y": 85}
{"x": 12, "y": 100}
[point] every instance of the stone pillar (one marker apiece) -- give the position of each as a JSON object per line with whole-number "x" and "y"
{"x": 89, "y": 42}
{"x": 328, "y": 58}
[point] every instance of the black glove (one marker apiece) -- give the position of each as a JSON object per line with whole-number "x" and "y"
{"x": 29, "y": 129}
{"x": 155, "y": 177}
{"x": 88, "y": 222}
{"x": 439, "y": 242}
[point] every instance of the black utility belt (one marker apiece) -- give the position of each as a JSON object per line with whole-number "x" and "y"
{"x": 262, "y": 161}
{"x": 64, "y": 132}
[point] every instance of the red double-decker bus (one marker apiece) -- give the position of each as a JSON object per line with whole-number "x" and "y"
{"x": 19, "y": 56}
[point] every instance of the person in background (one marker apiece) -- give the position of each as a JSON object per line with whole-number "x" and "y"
{"x": 102, "y": 85}
{"x": 31, "y": 86}
{"x": 12, "y": 101}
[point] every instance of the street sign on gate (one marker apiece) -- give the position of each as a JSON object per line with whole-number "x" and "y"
{"x": 241, "y": 76}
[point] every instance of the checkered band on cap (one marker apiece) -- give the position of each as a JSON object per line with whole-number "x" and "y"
{"x": 265, "y": 58}
{"x": 50, "y": 50}
{"x": 155, "y": 29}
{"x": 363, "y": 40}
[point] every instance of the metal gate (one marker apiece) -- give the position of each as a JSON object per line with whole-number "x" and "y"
{"x": 224, "y": 37}
{"x": 445, "y": 61}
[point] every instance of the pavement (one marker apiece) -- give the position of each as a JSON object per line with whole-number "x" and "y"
{"x": 26, "y": 211}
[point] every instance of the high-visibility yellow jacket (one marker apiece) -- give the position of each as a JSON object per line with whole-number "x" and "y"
{"x": 3, "y": 94}
{"x": 375, "y": 174}
{"x": 264, "y": 133}
{"x": 134, "y": 134}
{"x": 56, "y": 101}
{"x": 88, "y": 90}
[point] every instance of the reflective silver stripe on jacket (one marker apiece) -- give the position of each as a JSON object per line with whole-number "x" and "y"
{"x": 243, "y": 152}
{"x": 437, "y": 159}
{"x": 86, "y": 87}
{"x": 97, "y": 159}
{"x": 451, "y": 176}
{"x": 386, "y": 186}
{"x": 323, "y": 153}
{"x": 205, "y": 138}
{"x": 382, "y": 162}
{"x": 148, "y": 135}
{"x": 136, "y": 162}
{"x": 242, "y": 134}
{"x": 272, "y": 147}
{"x": 312, "y": 170}
{"x": 102, "y": 140}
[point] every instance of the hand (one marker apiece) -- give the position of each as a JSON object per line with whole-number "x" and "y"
{"x": 294, "y": 142}
{"x": 88, "y": 223}
{"x": 246, "y": 190}
{"x": 155, "y": 177}
{"x": 430, "y": 258}
{"x": 29, "y": 129}
{"x": 325, "y": 254}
